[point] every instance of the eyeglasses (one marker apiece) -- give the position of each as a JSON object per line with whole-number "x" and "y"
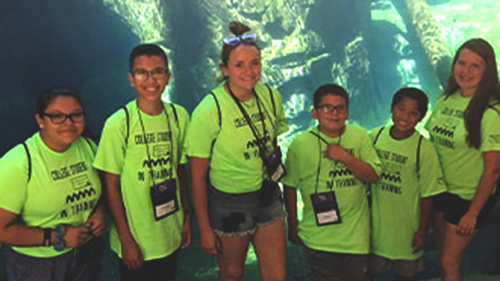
{"x": 59, "y": 118}
{"x": 328, "y": 108}
{"x": 233, "y": 41}
{"x": 141, "y": 74}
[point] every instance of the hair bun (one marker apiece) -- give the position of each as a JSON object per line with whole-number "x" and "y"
{"x": 237, "y": 28}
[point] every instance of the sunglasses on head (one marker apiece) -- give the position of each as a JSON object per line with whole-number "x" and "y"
{"x": 232, "y": 41}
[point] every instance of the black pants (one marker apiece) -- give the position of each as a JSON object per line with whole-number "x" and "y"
{"x": 163, "y": 269}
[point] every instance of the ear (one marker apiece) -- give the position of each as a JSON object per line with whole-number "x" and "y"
{"x": 167, "y": 78}
{"x": 39, "y": 121}
{"x": 131, "y": 79}
{"x": 314, "y": 113}
{"x": 224, "y": 70}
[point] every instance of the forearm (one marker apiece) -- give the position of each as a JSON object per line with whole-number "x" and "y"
{"x": 290, "y": 196}
{"x": 425, "y": 214}
{"x": 360, "y": 169}
{"x": 24, "y": 236}
{"x": 186, "y": 207}
{"x": 115, "y": 205}
{"x": 199, "y": 168}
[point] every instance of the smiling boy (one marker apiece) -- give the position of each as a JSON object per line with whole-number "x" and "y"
{"x": 329, "y": 165}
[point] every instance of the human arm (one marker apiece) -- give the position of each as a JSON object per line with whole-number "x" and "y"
{"x": 420, "y": 236}
{"x": 362, "y": 170}
{"x": 199, "y": 169}
{"x": 487, "y": 183}
{"x": 187, "y": 229}
{"x": 95, "y": 222}
{"x": 290, "y": 195}
{"x": 131, "y": 252}
{"x": 14, "y": 233}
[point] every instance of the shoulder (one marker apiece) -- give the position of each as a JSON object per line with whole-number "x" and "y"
{"x": 120, "y": 116}
{"x": 180, "y": 111}
{"x": 356, "y": 129}
{"x": 373, "y": 133}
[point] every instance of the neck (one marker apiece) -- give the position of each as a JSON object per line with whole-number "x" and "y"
{"x": 332, "y": 134}
{"x": 53, "y": 146}
{"x": 400, "y": 135}
{"x": 150, "y": 107}
{"x": 467, "y": 93}
{"x": 240, "y": 94}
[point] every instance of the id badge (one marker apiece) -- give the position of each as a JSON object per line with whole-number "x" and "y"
{"x": 164, "y": 199}
{"x": 275, "y": 168}
{"x": 326, "y": 209}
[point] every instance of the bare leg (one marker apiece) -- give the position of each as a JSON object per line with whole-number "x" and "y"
{"x": 439, "y": 229}
{"x": 270, "y": 247}
{"x": 453, "y": 251}
{"x": 232, "y": 258}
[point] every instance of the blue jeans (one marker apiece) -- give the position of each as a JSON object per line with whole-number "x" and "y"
{"x": 82, "y": 264}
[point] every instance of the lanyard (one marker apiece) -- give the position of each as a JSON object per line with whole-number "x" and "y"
{"x": 253, "y": 127}
{"x": 147, "y": 147}
{"x": 321, "y": 139}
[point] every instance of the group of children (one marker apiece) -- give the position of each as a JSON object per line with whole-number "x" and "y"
{"x": 347, "y": 233}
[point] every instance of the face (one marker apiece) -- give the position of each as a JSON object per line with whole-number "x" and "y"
{"x": 243, "y": 68}
{"x": 331, "y": 123}
{"x": 405, "y": 116}
{"x": 468, "y": 71}
{"x": 147, "y": 87}
{"x": 59, "y": 137}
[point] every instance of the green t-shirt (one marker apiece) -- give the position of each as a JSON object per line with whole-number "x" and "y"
{"x": 396, "y": 196}
{"x": 352, "y": 235}
{"x": 140, "y": 166}
{"x": 235, "y": 164}
{"x": 462, "y": 165}
{"x": 63, "y": 188}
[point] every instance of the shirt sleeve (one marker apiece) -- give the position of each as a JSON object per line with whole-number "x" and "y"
{"x": 183, "y": 126}
{"x": 203, "y": 129}
{"x": 368, "y": 153}
{"x": 111, "y": 151}
{"x": 14, "y": 180}
{"x": 281, "y": 121}
{"x": 490, "y": 131}
{"x": 292, "y": 165}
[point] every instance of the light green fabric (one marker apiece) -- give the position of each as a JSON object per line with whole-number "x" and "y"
{"x": 235, "y": 165}
{"x": 396, "y": 196}
{"x": 63, "y": 189}
{"x": 462, "y": 165}
{"x": 157, "y": 239}
{"x": 353, "y": 234}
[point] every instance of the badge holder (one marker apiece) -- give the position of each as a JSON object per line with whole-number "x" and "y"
{"x": 164, "y": 199}
{"x": 275, "y": 168}
{"x": 326, "y": 209}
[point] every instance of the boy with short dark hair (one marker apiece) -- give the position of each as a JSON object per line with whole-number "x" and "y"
{"x": 401, "y": 200}
{"x": 142, "y": 161}
{"x": 329, "y": 165}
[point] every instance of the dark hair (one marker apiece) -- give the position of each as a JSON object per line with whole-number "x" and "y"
{"x": 238, "y": 29}
{"x": 49, "y": 95}
{"x": 488, "y": 90}
{"x": 415, "y": 94}
{"x": 147, "y": 50}
{"x": 330, "y": 89}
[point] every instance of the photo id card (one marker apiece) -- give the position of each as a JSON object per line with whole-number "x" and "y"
{"x": 326, "y": 209}
{"x": 164, "y": 199}
{"x": 275, "y": 168}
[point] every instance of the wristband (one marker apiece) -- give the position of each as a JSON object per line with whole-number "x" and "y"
{"x": 47, "y": 237}
{"x": 61, "y": 231}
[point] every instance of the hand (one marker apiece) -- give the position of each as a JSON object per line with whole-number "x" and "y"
{"x": 336, "y": 152}
{"x": 467, "y": 224}
{"x": 210, "y": 243}
{"x": 187, "y": 232}
{"x": 76, "y": 236}
{"x": 96, "y": 223}
{"x": 293, "y": 236}
{"x": 131, "y": 254}
{"x": 418, "y": 241}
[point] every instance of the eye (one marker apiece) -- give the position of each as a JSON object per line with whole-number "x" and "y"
{"x": 157, "y": 71}
{"x": 256, "y": 62}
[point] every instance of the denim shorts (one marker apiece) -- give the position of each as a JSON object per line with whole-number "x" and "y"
{"x": 240, "y": 213}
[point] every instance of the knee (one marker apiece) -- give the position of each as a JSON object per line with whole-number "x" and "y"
{"x": 275, "y": 275}
{"x": 231, "y": 273}
{"x": 449, "y": 264}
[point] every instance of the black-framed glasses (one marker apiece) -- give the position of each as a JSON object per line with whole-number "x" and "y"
{"x": 232, "y": 41}
{"x": 141, "y": 74}
{"x": 59, "y": 118}
{"x": 328, "y": 108}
